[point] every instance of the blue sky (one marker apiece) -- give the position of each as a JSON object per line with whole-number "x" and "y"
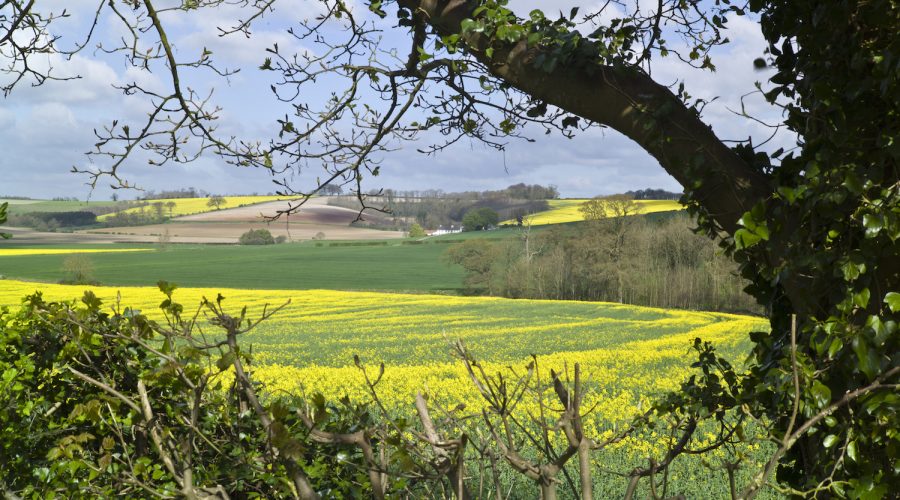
{"x": 44, "y": 131}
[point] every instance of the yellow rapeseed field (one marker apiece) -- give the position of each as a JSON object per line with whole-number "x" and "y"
{"x": 630, "y": 352}
{"x": 189, "y": 206}
{"x": 562, "y": 211}
{"x": 12, "y": 252}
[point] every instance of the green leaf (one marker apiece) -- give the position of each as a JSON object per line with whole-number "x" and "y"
{"x": 821, "y": 394}
{"x": 743, "y": 238}
{"x": 873, "y": 223}
{"x": 835, "y": 346}
{"x": 868, "y": 357}
{"x": 851, "y": 269}
{"x": 91, "y": 300}
{"x": 225, "y": 361}
{"x": 892, "y": 299}
{"x": 166, "y": 287}
{"x": 830, "y": 440}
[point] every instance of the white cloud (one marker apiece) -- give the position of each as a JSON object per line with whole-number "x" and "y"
{"x": 47, "y": 129}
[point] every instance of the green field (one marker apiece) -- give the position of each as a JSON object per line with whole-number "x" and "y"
{"x": 334, "y": 265}
{"x": 389, "y": 265}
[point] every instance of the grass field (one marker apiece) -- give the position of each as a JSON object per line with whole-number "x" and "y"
{"x": 334, "y": 265}
{"x": 629, "y": 354}
{"x": 389, "y": 265}
{"x": 563, "y": 211}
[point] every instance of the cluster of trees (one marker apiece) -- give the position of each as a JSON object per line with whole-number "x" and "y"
{"x": 434, "y": 208}
{"x": 480, "y": 219}
{"x": 652, "y": 261}
{"x": 189, "y": 192}
{"x": 52, "y": 221}
{"x": 654, "y": 194}
{"x": 260, "y": 237}
{"x": 519, "y": 191}
{"x": 156, "y": 212}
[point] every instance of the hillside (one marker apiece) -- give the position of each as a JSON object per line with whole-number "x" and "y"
{"x": 566, "y": 210}
{"x": 187, "y": 206}
{"x": 202, "y": 224}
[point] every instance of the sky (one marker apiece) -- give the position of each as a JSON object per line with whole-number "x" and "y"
{"x": 45, "y": 130}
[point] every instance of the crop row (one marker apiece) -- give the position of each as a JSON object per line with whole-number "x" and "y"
{"x": 629, "y": 355}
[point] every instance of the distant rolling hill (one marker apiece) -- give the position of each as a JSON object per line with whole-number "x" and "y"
{"x": 563, "y": 211}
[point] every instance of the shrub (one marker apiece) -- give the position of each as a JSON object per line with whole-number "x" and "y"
{"x": 79, "y": 270}
{"x": 280, "y": 239}
{"x": 257, "y": 237}
{"x": 416, "y": 231}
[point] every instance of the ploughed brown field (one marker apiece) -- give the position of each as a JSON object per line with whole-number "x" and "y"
{"x": 227, "y": 225}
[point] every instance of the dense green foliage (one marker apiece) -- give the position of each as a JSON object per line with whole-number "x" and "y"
{"x": 480, "y": 219}
{"x": 416, "y": 231}
{"x": 3, "y": 214}
{"x": 257, "y": 237}
{"x": 819, "y": 227}
{"x": 67, "y": 219}
{"x": 95, "y": 404}
{"x": 825, "y": 247}
{"x": 52, "y": 215}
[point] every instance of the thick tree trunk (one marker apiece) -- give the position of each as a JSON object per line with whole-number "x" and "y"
{"x": 627, "y": 100}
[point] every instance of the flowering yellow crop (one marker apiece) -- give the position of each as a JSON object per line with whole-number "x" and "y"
{"x": 12, "y": 252}
{"x": 189, "y": 206}
{"x": 628, "y": 354}
{"x": 562, "y": 211}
